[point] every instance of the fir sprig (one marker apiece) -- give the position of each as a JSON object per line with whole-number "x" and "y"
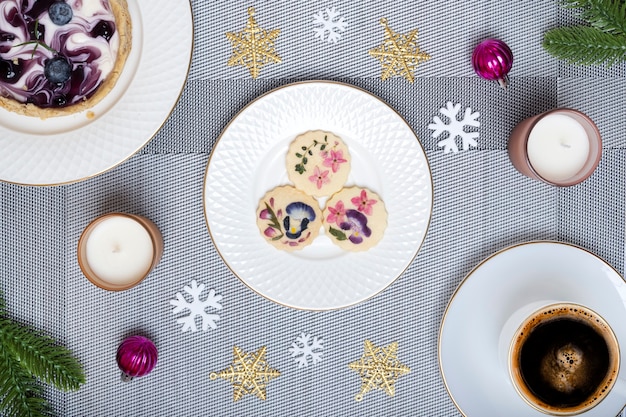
{"x": 20, "y": 395}
{"x": 585, "y": 45}
{"x": 25, "y": 356}
{"x": 51, "y": 363}
{"x": 607, "y": 15}
{"x": 603, "y": 41}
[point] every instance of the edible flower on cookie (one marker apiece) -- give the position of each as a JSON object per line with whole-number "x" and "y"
{"x": 356, "y": 222}
{"x": 363, "y": 203}
{"x": 333, "y": 159}
{"x": 299, "y": 215}
{"x": 352, "y": 220}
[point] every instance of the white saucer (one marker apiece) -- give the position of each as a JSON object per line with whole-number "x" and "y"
{"x": 473, "y": 370}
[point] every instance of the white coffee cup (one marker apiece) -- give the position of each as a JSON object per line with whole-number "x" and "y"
{"x": 562, "y": 358}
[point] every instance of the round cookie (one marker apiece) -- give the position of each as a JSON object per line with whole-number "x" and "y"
{"x": 61, "y": 57}
{"x": 288, "y": 218}
{"x": 355, "y": 218}
{"x": 318, "y": 163}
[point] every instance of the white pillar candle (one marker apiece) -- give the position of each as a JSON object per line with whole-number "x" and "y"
{"x": 119, "y": 250}
{"x": 558, "y": 147}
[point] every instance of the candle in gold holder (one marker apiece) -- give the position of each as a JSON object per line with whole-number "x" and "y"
{"x": 117, "y": 251}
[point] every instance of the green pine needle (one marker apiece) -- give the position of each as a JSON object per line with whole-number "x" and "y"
{"x": 607, "y": 15}
{"x": 585, "y": 45}
{"x": 25, "y": 356}
{"x": 41, "y": 357}
{"x": 20, "y": 395}
{"x": 602, "y": 42}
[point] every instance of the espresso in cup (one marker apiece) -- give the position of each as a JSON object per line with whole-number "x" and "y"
{"x": 564, "y": 359}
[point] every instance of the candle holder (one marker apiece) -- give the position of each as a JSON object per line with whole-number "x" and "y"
{"x": 561, "y": 147}
{"x": 116, "y": 251}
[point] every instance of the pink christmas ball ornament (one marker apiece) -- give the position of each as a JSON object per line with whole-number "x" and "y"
{"x": 492, "y": 59}
{"x": 136, "y": 357}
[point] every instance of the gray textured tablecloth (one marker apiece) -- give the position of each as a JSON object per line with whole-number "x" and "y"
{"x": 481, "y": 205}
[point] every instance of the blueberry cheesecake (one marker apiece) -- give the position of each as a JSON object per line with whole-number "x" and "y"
{"x": 59, "y": 57}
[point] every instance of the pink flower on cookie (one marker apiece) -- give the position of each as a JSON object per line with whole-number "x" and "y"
{"x": 337, "y": 214}
{"x": 363, "y": 204}
{"x": 319, "y": 177}
{"x": 333, "y": 159}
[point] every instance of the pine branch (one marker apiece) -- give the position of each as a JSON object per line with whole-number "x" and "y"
{"x": 25, "y": 355}
{"x": 607, "y": 15}
{"x": 20, "y": 395}
{"x": 39, "y": 355}
{"x": 585, "y": 45}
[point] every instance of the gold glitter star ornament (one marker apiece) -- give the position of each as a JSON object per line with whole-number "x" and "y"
{"x": 253, "y": 47}
{"x": 379, "y": 368}
{"x": 249, "y": 373}
{"x": 398, "y": 54}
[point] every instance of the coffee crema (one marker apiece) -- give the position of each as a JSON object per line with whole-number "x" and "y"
{"x": 564, "y": 359}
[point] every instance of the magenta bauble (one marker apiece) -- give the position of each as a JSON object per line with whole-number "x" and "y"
{"x": 136, "y": 357}
{"x": 492, "y": 60}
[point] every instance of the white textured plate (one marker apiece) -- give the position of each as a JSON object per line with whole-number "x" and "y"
{"x": 71, "y": 148}
{"x": 249, "y": 159}
{"x": 470, "y": 351}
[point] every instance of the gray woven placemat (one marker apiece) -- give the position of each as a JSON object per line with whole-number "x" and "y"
{"x": 481, "y": 205}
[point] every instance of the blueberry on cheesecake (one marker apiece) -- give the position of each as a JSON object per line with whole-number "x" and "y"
{"x": 59, "y": 57}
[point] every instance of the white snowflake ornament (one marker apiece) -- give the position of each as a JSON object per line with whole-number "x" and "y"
{"x": 306, "y": 349}
{"x": 329, "y": 25}
{"x": 197, "y": 307}
{"x": 455, "y": 128}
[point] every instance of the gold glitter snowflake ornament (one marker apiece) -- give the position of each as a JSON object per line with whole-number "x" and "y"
{"x": 399, "y": 54}
{"x": 253, "y": 47}
{"x": 249, "y": 373}
{"x": 379, "y": 368}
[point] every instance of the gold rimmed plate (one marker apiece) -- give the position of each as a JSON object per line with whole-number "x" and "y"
{"x": 249, "y": 159}
{"x": 472, "y": 338}
{"x": 71, "y": 148}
